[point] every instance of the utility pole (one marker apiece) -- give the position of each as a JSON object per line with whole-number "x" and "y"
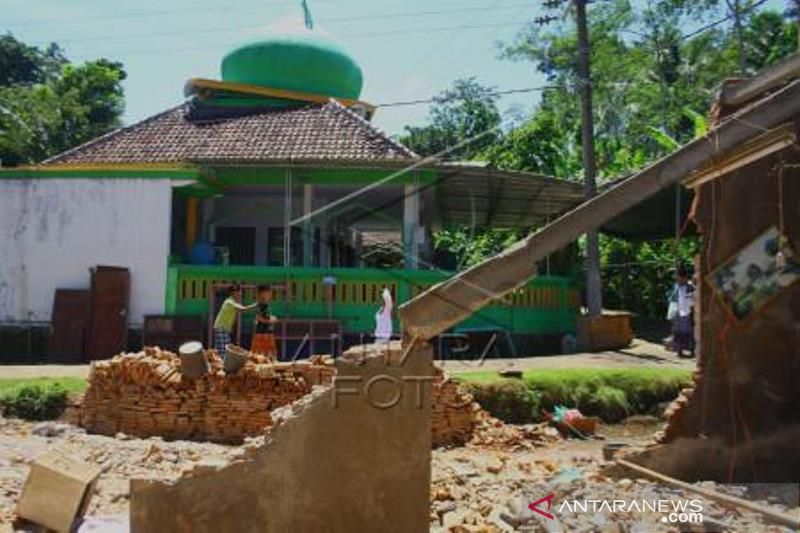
{"x": 594, "y": 294}
{"x": 733, "y": 6}
{"x": 594, "y": 291}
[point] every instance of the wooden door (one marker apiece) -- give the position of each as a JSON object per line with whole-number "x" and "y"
{"x": 108, "y": 328}
{"x": 70, "y": 320}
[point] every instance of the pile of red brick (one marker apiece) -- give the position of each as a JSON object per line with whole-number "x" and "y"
{"x": 144, "y": 394}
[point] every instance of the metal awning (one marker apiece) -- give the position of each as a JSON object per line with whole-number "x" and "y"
{"x": 483, "y": 196}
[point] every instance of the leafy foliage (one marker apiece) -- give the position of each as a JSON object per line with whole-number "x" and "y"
{"x": 611, "y": 394}
{"x": 34, "y": 402}
{"x": 464, "y": 112}
{"x": 652, "y": 85}
{"x": 48, "y": 105}
{"x": 639, "y": 275}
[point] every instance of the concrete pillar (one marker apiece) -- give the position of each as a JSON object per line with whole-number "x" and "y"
{"x": 287, "y": 219}
{"x": 207, "y": 230}
{"x": 192, "y": 205}
{"x": 411, "y": 223}
{"x": 308, "y": 228}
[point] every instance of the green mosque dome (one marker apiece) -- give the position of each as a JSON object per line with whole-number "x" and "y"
{"x": 295, "y": 63}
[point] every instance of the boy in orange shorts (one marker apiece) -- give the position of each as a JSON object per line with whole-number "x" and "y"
{"x": 264, "y": 334}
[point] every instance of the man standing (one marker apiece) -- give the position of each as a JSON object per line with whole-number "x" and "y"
{"x": 681, "y": 312}
{"x": 226, "y": 319}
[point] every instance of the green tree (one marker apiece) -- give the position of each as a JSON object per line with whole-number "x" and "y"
{"x": 21, "y": 64}
{"x": 653, "y": 85}
{"x": 465, "y": 111}
{"x": 48, "y": 105}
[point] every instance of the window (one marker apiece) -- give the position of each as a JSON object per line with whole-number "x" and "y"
{"x": 240, "y": 242}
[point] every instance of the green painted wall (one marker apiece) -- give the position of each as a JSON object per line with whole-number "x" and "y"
{"x": 546, "y": 305}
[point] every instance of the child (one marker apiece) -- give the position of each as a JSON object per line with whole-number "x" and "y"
{"x": 383, "y": 319}
{"x": 264, "y": 334}
{"x": 226, "y": 319}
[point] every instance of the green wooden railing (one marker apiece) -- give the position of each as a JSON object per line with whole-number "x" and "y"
{"x": 546, "y": 305}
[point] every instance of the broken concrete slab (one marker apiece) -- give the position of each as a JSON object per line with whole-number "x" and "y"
{"x": 56, "y": 491}
{"x": 354, "y": 456}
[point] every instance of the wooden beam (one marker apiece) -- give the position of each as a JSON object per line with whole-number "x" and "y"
{"x": 769, "y": 78}
{"x": 448, "y": 303}
{"x": 775, "y": 516}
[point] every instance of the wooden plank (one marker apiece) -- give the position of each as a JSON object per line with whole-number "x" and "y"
{"x": 777, "y": 517}
{"x": 769, "y": 78}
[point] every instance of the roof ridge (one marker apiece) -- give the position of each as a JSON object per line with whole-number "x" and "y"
{"x": 366, "y": 124}
{"x": 98, "y": 140}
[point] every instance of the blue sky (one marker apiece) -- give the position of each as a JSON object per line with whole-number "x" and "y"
{"x": 408, "y": 49}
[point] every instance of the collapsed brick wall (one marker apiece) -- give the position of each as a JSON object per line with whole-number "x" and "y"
{"x": 454, "y": 414}
{"x": 742, "y": 412}
{"x": 144, "y": 394}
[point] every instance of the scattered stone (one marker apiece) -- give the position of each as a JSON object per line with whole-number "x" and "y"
{"x": 50, "y": 429}
{"x": 494, "y": 468}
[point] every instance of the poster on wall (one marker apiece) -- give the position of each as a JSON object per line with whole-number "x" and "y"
{"x": 756, "y": 274}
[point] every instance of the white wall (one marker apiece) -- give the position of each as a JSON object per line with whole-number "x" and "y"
{"x": 53, "y": 230}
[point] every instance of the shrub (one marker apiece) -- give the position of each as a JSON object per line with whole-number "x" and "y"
{"x": 34, "y": 402}
{"x": 509, "y": 400}
{"x": 611, "y": 394}
{"x": 609, "y": 403}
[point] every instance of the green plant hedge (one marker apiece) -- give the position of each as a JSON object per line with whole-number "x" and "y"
{"x": 34, "y": 402}
{"x": 611, "y": 394}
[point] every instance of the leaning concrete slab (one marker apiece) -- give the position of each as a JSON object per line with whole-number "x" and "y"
{"x": 354, "y": 456}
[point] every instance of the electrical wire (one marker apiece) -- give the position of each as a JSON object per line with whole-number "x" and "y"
{"x": 716, "y": 23}
{"x": 491, "y": 93}
{"x": 216, "y": 8}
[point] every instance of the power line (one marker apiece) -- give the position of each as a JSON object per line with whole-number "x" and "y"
{"x": 335, "y": 20}
{"x": 722, "y": 20}
{"x": 135, "y": 14}
{"x": 220, "y": 29}
{"x": 492, "y": 93}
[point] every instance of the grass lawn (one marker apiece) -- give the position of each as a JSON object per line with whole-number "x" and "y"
{"x": 610, "y": 393}
{"x": 581, "y": 375}
{"x": 69, "y": 384}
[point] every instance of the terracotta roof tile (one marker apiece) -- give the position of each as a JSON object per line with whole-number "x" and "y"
{"x": 314, "y": 132}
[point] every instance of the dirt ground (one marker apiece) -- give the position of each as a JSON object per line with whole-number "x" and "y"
{"x": 474, "y": 488}
{"x": 640, "y": 353}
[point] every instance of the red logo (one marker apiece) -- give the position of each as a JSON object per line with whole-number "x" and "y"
{"x": 533, "y": 506}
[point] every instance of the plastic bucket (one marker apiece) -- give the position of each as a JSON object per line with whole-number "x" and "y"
{"x": 235, "y": 358}
{"x": 193, "y": 359}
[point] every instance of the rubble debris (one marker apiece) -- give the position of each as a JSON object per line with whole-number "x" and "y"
{"x": 489, "y": 432}
{"x": 56, "y": 491}
{"x": 772, "y": 515}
